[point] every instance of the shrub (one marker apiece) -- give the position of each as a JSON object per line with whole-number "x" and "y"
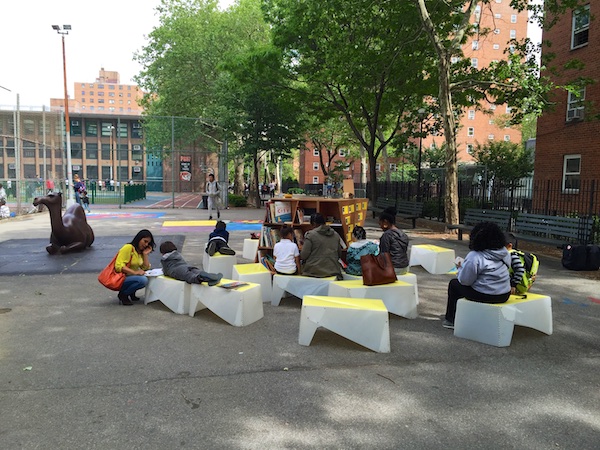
{"x": 295, "y": 191}
{"x": 237, "y": 200}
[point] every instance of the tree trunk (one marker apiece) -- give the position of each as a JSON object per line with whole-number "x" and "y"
{"x": 451, "y": 197}
{"x": 238, "y": 176}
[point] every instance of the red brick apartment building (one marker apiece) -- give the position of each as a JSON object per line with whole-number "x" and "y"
{"x": 477, "y": 128}
{"x": 568, "y": 141}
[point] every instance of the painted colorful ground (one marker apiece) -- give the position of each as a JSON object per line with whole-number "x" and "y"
{"x": 180, "y": 226}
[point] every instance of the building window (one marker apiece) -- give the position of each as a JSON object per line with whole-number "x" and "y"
{"x": 497, "y": 16}
{"x": 508, "y": 109}
{"x": 581, "y": 27}
{"x": 91, "y": 151}
{"x": 497, "y": 31}
{"x": 474, "y": 62}
{"x": 378, "y": 167}
{"x": 315, "y": 166}
{"x": 315, "y": 180}
{"x": 91, "y": 128}
{"x": 342, "y": 152}
{"x": 491, "y": 137}
{"x": 513, "y": 18}
{"x": 470, "y": 149}
{"x": 575, "y": 105}
{"x": 28, "y": 126}
{"x": 513, "y": 34}
{"x": 493, "y": 107}
{"x": 507, "y": 137}
{"x": 107, "y": 129}
{"x": 471, "y": 131}
{"x": 475, "y": 45}
{"x": 571, "y": 173}
{"x": 471, "y": 114}
{"x": 315, "y": 152}
{"x": 496, "y": 46}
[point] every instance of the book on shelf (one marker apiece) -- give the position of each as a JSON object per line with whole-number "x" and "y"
{"x": 283, "y": 212}
{"x": 299, "y": 237}
{"x": 300, "y": 215}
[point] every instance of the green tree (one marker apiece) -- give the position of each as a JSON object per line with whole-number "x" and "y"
{"x": 363, "y": 60}
{"x": 514, "y": 81}
{"x": 506, "y": 162}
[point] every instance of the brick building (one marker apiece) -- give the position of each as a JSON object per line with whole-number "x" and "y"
{"x": 567, "y": 141}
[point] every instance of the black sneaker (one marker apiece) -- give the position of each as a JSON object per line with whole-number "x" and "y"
{"x": 212, "y": 248}
{"x": 209, "y": 217}
{"x": 226, "y": 251}
{"x": 216, "y": 280}
{"x": 218, "y": 215}
{"x": 447, "y": 324}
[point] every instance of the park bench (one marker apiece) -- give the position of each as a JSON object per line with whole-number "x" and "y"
{"x": 474, "y": 216}
{"x": 552, "y": 230}
{"x": 405, "y": 209}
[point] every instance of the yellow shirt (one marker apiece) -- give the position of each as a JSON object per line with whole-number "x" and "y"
{"x": 129, "y": 253}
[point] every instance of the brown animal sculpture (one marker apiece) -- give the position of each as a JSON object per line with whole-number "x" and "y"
{"x": 71, "y": 232}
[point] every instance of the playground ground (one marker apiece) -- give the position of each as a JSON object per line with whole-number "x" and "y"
{"x": 78, "y": 370}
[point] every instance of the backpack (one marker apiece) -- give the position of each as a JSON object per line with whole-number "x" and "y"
{"x": 531, "y": 264}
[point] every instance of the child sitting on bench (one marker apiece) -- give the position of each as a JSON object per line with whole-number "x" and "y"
{"x": 175, "y": 266}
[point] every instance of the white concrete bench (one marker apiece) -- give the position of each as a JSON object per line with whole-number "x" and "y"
{"x": 400, "y": 298}
{"x": 174, "y": 294}
{"x": 255, "y": 273}
{"x": 299, "y": 286}
{"x": 493, "y": 324}
{"x": 434, "y": 259}
{"x": 250, "y": 249}
{"x": 238, "y": 307}
{"x": 364, "y": 321}
{"x": 219, "y": 264}
{"x": 410, "y": 278}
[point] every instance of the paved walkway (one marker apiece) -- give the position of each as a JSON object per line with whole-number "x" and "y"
{"x": 79, "y": 371}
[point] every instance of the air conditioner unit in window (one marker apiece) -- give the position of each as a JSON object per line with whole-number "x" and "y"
{"x": 75, "y": 123}
{"x": 575, "y": 114}
{"x": 137, "y": 147}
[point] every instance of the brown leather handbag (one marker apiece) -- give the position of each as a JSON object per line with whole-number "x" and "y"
{"x": 377, "y": 269}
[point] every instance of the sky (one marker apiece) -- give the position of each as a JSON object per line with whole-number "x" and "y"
{"x": 104, "y": 34}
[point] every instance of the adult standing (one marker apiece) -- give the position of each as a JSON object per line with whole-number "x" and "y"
{"x": 212, "y": 191}
{"x": 484, "y": 274}
{"x": 132, "y": 260}
{"x": 321, "y": 250}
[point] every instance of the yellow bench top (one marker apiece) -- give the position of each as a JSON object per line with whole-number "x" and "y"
{"x": 432, "y": 248}
{"x": 367, "y": 304}
{"x": 245, "y": 269}
{"x": 516, "y": 299}
{"x": 359, "y": 283}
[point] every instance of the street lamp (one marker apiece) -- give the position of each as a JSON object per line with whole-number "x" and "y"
{"x": 421, "y": 112}
{"x": 65, "y": 30}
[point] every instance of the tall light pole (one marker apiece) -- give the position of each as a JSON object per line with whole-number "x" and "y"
{"x": 65, "y": 30}
{"x": 421, "y": 112}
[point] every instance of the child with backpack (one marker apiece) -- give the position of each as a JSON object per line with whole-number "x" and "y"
{"x": 523, "y": 268}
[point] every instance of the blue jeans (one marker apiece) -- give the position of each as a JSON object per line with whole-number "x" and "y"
{"x": 132, "y": 283}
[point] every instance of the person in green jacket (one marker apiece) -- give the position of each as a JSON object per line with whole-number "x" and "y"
{"x": 322, "y": 250}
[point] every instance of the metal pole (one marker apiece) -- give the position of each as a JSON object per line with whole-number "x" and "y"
{"x": 44, "y": 143}
{"x": 70, "y": 199}
{"x": 18, "y": 154}
{"x": 173, "y": 161}
{"x": 119, "y": 182}
{"x": 420, "y": 157}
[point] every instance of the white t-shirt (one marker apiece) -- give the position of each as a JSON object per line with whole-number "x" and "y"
{"x": 285, "y": 252}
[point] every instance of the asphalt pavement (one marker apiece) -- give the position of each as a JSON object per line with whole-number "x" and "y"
{"x": 77, "y": 370}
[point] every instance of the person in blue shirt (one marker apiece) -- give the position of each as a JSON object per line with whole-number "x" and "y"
{"x": 218, "y": 240}
{"x": 359, "y": 246}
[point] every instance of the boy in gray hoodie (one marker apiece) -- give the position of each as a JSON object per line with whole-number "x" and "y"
{"x": 175, "y": 266}
{"x": 484, "y": 274}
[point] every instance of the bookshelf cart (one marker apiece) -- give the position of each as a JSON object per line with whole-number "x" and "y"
{"x": 339, "y": 213}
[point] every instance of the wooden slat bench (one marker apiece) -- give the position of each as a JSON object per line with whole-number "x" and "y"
{"x": 474, "y": 216}
{"x": 552, "y": 230}
{"x": 405, "y": 209}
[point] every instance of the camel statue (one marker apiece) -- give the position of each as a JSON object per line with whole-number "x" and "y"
{"x": 71, "y": 232}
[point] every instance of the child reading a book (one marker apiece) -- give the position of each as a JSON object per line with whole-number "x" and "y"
{"x": 286, "y": 253}
{"x": 218, "y": 240}
{"x": 175, "y": 266}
